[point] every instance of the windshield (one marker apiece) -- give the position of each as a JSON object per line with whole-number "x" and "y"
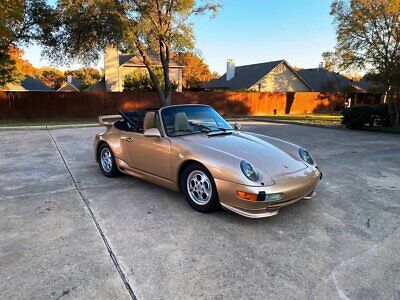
{"x": 184, "y": 120}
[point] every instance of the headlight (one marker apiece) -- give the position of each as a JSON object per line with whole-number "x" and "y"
{"x": 306, "y": 156}
{"x": 249, "y": 171}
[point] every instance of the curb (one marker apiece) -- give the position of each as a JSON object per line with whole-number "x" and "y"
{"x": 46, "y": 127}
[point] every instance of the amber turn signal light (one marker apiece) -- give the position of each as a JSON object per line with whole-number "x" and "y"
{"x": 247, "y": 196}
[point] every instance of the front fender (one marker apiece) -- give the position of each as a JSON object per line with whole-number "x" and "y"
{"x": 221, "y": 165}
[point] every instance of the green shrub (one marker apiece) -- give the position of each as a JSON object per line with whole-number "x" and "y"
{"x": 380, "y": 113}
{"x": 366, "y": 115}
{"x": 140, "y": 81}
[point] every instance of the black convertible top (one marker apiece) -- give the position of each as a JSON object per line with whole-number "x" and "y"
{"x": 135, "y": 118}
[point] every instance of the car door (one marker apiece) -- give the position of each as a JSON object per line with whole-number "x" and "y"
{"x": 149, "y": 154}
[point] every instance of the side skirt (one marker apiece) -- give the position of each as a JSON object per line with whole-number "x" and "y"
{"x": 125, "y": 168}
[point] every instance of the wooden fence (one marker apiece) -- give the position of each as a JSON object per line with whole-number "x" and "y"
{"x": 16, "y": 105}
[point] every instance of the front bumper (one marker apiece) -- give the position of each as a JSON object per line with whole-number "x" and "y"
{"x": 294, "y": 187}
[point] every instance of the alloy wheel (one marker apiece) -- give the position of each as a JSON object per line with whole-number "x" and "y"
{"x": 106, "y": 160}
{"x": 199, "y": 187}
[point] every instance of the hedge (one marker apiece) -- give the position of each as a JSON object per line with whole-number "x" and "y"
{"x": 366, "y": 115}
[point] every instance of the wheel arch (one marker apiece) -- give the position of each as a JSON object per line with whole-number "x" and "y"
{"x": 98, "y": 148}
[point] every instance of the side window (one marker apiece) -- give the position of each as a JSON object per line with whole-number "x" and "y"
{"x": 168, "y": 119}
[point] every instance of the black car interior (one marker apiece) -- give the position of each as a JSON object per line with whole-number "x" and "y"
{"x": 138, "y": 121}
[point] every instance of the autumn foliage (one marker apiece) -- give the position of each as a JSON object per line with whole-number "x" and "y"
{"x": 51, "y": 77}
{"x": 195, "y": 72}
{"x": 22, "y": 66}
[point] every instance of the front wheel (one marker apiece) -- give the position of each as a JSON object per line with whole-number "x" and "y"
{"x": 199, "y": 188}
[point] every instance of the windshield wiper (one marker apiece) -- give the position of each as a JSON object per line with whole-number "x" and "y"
{"x": 213, "y": 130}
{"x": 220, "y": 131}
{"x": 204, "y": 128}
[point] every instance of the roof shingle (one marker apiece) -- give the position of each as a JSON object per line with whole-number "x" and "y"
{"x": 99, "y": 86}
{"x": 245, "y": 76}
{"x": 322, "y": 80}
{"x": 29, "y": 84}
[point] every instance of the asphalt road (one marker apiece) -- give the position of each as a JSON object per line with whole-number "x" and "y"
{"x": 68, "y": 232}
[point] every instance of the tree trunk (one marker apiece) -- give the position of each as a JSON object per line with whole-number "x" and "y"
{"x": 393, "y": 107}
{"x": 164, "y": 101}
{"x": 164, "y": 57}
{"x": 396, "y": 106}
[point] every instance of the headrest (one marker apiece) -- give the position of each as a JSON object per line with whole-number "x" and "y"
{"x": 181, "y": 122}
{"x": 149, "y": 120}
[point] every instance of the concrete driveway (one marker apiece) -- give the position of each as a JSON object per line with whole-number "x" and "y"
{"x": 68, "y": 232}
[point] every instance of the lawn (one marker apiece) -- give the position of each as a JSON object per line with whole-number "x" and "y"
{"x": 319, "y": 119}
{"x": 333, "y": 119}
{"x": 46, "y": 122}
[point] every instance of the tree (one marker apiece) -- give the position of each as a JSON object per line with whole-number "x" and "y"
{"x": 195, "y": 72}
{"x": 24, "y": 21}
{"x": 330, "y": 61}
{"x": 86, "y": 27}
{"x": 52, "y": 77}
{"x": 21, "y": 21}
{"x": 22, "y": 66}
{"x": 7, "y": 69}
{"x": 88, "y": 75}
{"x": 215, "y": 75}
{"x": 139, "y": 80}
{"x": 368, "y": 37}
{"x": 13, "y": 67}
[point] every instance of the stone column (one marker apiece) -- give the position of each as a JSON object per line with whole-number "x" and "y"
{"x": 179, "y": 89}
{"x": 111, "y": 69}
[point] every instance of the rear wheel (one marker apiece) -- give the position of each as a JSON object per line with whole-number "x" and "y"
{"x": 199, "y": 188}
{"x": 107, "y": 161}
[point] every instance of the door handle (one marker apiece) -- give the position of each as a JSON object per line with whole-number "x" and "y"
{"x": 128, "y": 139}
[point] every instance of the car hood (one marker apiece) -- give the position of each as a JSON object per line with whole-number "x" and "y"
{"x": 267, "y": 158}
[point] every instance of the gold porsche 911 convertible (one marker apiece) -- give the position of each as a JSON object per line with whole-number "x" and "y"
{"x": 191, "y": 148}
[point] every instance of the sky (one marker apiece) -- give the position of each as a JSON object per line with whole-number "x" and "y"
{"x": 255, "y": 31}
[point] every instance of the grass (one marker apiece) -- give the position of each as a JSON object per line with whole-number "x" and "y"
{"x": 320, "y": 119}
{"x": 44, "y": 122}
{"x": 333, "y": 119}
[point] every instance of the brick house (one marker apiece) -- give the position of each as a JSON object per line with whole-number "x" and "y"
{"x": 274, "y": 76}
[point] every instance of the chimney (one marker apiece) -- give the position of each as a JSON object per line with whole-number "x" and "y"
{"x": 230, "y": 69}
{"x": 69, "y": 78}
{"x": 111, "y": 69}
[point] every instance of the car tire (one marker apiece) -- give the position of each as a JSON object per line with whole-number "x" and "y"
{"x": 199, "y": 188}
{"x": 107, "y": 161}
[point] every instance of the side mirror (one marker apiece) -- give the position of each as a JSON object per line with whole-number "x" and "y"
{"x": 152, "y": 132}
{"x": 237, "y": 126}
